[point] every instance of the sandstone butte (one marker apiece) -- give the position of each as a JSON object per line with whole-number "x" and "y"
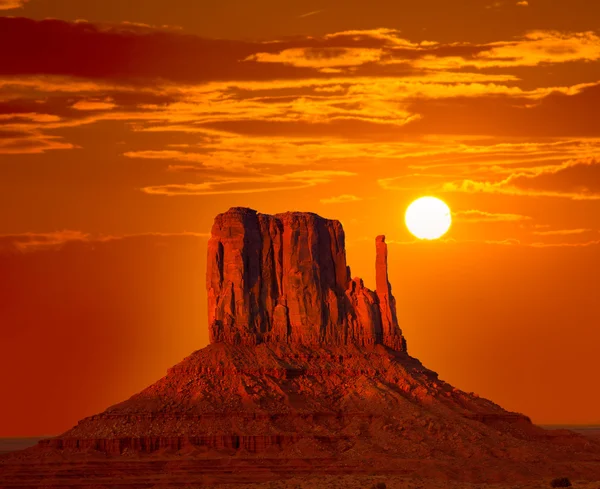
{"x": 307, "y": 372}
{"x": 284, "y": 278}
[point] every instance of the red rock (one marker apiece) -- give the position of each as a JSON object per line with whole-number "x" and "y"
{"x": 392, "y": 336}
{"x": 285, "y": 278}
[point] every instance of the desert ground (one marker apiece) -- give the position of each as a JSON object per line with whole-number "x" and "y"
{"x": 392, "y": 482}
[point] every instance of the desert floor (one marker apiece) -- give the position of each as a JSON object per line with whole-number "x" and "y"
{"x": 391, "y": 482}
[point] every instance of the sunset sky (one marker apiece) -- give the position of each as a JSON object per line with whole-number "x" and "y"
{"x": 126, "y": 126}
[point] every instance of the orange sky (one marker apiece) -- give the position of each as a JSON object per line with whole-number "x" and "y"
{"x": 125, "y": 127}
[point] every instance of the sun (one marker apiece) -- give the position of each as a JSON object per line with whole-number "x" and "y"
{"x": 428, "y": 218}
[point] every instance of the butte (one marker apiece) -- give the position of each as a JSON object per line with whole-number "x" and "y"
{"x": 307, "y": 372}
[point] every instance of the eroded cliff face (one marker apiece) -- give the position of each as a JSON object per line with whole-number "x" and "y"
{"x": 284, "y": 278}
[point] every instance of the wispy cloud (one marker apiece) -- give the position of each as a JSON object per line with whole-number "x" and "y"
{"x": 573, "y": 179}
{"x": 310, "y": 14}
{"x": 147, "y": 27}
{"x": 341, "y": 199}
{"x": 491, "y": 242}
{"x": 31, "y": 242}
{"x": 453, "y": 241}
{"x": 29, "y": 141}
{"x": 584, "y": 244}
{"x": 484, "y": 216}
{"x": 562, "y": 232}
{"x": 250, "y": 184}
{"x": 94, "y": 105}
{"x": 12, "y": 4}
{"x": 35, "y": 241}
{"x": 534, "y": 48}
{"x": 320, "y": 57}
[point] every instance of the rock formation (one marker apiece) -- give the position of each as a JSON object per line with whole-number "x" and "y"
{"x": 307, "y": 373}
{"x": 284, "y": 278}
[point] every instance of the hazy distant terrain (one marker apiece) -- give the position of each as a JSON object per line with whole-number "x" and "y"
{"x": 588, "y": 430}
{"x": 593, "y": 431}
{"x": 12, "y": 444}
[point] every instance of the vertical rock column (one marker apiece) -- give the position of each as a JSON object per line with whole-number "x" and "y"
{"x": 234, "y": 278}
{"x": 392, "y": 335}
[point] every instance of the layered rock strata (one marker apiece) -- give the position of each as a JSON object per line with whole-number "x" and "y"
{"x": 284, "y": 278}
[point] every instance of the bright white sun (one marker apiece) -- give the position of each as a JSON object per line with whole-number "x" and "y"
{"x": 428, "y": 218}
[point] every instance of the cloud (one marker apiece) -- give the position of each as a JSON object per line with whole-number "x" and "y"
{"x": 279, "y": 90}
{"x": 484, "y": 216}
{"x": 124, "y": 53}
{"x": 24, "y": 141}
{"x": 31, "y": 242}
{"x": 310, "y": 14}
{"x": 579, "y": 177}
{"x": 585, "y": 244}
{"x": 550, "y": 112}
{"x": 523, "y": 3}
{"x": 142, "y": 27}
{"x": 167, "y": 155}
{"x": 132, "y": 52}
{"x": 383, "y": 36}
{"x": 341, "y": 199}
{"x": 319, "y": 57}
{"x": 94, "y": 105}
{"x": 576, "y": 179}
{"x": 532, "y": 49}
{"x": 250, "y": 184}
{"x": 491, "y": 242}
{"x": 248, "y": 154}
{"x": 249, "y": 118}
{"x": 562, "y": 232}
{"x": 12, "y": 4}
{"x": 30, "y": 116}
{"x": 36, "y": 241}
{"x": 453, "y": 241}
{"x": 573, "y": 179}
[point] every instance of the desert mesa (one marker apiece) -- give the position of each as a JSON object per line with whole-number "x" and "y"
{"x": 284, "y": 278}
{"x": 307, "y": 373}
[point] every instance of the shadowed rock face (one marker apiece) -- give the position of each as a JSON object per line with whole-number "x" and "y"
{"x": 284, "y": 278}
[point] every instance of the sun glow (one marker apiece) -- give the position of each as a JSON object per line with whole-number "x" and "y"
{"x": 428, "y": 218}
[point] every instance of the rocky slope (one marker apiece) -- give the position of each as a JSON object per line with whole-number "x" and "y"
{"x": 307, "y": 372}
{"x": 253, "y": 398}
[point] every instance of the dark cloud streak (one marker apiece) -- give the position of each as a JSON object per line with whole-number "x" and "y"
{"x": 82, "y": 49}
